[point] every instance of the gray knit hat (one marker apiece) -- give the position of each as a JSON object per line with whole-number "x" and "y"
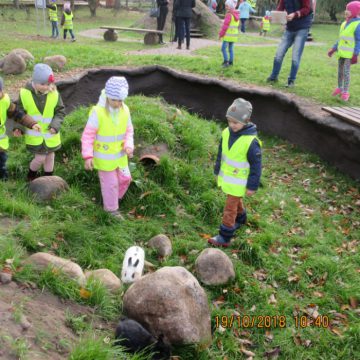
{"x": 240, "y": 110}
{"x": 1, "y": 84}
{"x": 117, "y": 88}
{"x": 42, "y": 74}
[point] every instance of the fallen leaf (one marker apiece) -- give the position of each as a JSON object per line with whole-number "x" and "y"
{"x": 260, "y": 275}
{"x": 206, "y": 236}
{"x": 273, "y": 354}
{"x": 336, "y": 331}
{"x": 269, "y": 336}
{"x": 146, "y": 193}
{"x": 353, "y": 302}
{"x": 219, "y": 344}
{"x": 294, "y": 279}
{"x": 272, "y": 299}
{"x": 85, "y": 294}
{"x": 247, "y": 352}
{"x": 318, "y": 294}
{"x": 309, "y": 272}
{"x": 245, "y": 342}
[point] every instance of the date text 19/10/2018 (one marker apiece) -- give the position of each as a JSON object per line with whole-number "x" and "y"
{"x": 270, "y": 321}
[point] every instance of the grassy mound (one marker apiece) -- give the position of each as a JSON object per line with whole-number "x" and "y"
{"x": 299, "y": 251}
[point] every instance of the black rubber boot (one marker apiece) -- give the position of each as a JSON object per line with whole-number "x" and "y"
{"x": 48, "y": 173}
{"x": 240, "y": 220}
{"x": 32, "y": 175}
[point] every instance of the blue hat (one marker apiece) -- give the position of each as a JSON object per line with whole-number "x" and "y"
{"x": 117, "y": 88}
{"x": 42, "y": 74}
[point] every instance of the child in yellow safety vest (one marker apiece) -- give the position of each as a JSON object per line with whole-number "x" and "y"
{"x": 265, "y": 24}
{"x": 67, "y": 23}
{"x": 229, "y": 32}
{"x": 238, "y": 168}
{"x": 53, "y": 16}
{"x": 347, "y": 48}
{"x": 108, "y": 142}
{"x": 40, "y": 100}
{"x": 9, "y": 109}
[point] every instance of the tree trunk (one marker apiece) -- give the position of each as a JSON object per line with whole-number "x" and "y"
{"x": 332, "y": 13}
{"x": 92, "y": 7}
{"x": 117, "y": 4}
{"x": 16, "y": 3}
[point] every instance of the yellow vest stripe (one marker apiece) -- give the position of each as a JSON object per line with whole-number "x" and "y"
{"x": 4, "y": 106}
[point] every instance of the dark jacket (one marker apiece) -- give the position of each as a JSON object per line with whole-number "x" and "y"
{"x": 253, "y": 155}
{"x": 59, "y": 114}
{"x": 183, "y": 8}
{"x": 162, "y": 3}
{"x": 303, "y": 13}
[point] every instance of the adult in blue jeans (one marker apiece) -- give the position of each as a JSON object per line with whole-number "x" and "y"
{"x": 183, "y": 13}
{"x": 299, "y": 19}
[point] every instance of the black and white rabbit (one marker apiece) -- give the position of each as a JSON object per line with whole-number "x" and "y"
{"x": 133, "y": 264}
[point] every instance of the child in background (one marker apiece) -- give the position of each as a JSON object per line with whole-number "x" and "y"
{"x": 229, "y": 32}
{"x": 238, "y": 168}
{"x": 43, "y": 103}
{"x": 53, "y": 16}
{"x": 9, "y": 109}
{"x": 265, "y": 23}
{"x": 347, "y": 48}
{"x": 108, "y": 141}
{"x": 245, "y": 9}
{"x": 67, "y": 23}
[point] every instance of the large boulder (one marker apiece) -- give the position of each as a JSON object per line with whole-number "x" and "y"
{"x": 162, "y": 244}
{"x": 214, "y": 267}
{"x": 47, "y": 187}
{"x": 13, "y": 64}
{"x": 56, "y": 62}
{"x": 171, "y": 302}
{"x": 25, "y": 54}
{"x": 42, "y": 261}
{"x": 106, "y": 277}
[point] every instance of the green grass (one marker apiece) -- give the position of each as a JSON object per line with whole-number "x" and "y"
{"x": 316, "y": 79}
{"x": 302, "y": 222}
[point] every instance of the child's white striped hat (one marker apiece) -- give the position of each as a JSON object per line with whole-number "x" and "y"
{"x": 117, "y": 88}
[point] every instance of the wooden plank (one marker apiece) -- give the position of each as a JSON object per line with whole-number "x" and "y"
{"x": 341, "y": 115}
{"x": 348, "y": 111}
{"x": 133, "y": 29}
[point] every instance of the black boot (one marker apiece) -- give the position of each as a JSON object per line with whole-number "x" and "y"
{"x": 224, "y": 237}
{"x": 48, "y": 173}
{"x": 3, "y": 170}
{"x": 32, "y": 175}
{"x": 240, "y": 220}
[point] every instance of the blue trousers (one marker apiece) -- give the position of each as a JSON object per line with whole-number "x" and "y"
{"x": 243, "y": 22}
{"x": 290, "y": 38}
{"x": 54, "y": 29}
{"x": 230, "y": 45}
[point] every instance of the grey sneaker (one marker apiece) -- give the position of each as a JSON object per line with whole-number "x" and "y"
{"x": 116, "y": 214}
{"x": 271, "y": 80}
{"x": 290, "y": 84}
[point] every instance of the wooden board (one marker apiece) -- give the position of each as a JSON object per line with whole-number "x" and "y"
{"x": 349, "y": 114}
{"x": 132, "y": 29}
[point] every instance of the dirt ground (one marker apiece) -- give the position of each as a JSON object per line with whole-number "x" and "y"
{"x": 48, "y": 336}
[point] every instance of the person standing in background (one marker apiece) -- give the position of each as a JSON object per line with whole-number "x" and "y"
{"x": 244, "y": 9}
{"x": 161, "y": 20}
{"x": 183, "y": 13}
{"x": 53, "y": 16}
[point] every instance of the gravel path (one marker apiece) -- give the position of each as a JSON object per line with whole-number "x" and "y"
{"x": 195, "y": 44}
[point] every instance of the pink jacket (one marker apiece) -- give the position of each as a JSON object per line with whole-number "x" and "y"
{"x": 90, "y": 131}
{"x": 227, "y": 20}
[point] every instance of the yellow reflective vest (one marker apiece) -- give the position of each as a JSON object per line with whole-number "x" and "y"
{"x": 265, "y": 24}
{"x": 232, "y": 31}
{"x": 68, "y": 23}
{"x": 109, "y": 142}
{"x": 53, "y": 14}
{"x": 33, "y": 137}
{"x": 235, "y": 168}
{"x": 346, "y": 43}
{"x": 252, "y": 3}
{"x": 4, "y": 107}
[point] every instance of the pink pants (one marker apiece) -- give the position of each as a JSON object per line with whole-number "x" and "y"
{"x": 45, "y": 160}
{"x": 113, "y": 187}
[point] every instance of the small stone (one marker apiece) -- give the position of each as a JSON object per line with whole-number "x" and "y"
{"x": 5, "y": 277}
{"x": 25, "y": 324}
{"x": 162, "y": 244}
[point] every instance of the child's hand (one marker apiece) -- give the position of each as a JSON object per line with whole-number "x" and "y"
{"x": 89, "y": 164}
{"x": 331, "y": 52}
{"x": 250, "y": 192}
{"x": 17, "y": 132}
{"x": 290, "y": 17}
{"x": 129, "y": 152}
{"x": 36, "y": 127}
{"x": 52, "y": 131}
{"x": 354, "y": 59}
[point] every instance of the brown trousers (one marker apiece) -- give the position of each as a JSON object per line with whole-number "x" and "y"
{"x": 233, "y": 207}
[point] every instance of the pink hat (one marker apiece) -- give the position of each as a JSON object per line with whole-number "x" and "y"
{"x": 354, "y": 8}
